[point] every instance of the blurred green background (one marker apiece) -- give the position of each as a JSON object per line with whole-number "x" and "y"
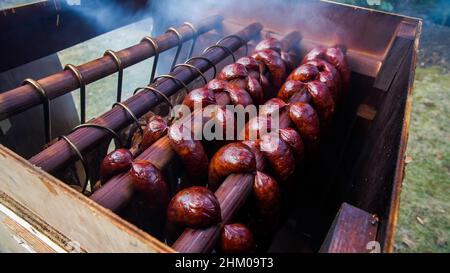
{"x": 424, "y": 222}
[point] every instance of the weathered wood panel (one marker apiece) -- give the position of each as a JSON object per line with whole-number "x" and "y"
{"x": 81, "y": 220}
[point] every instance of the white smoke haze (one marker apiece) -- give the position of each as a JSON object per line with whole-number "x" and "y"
{"x": 286, "y": 13}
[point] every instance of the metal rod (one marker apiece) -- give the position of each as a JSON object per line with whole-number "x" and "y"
{"x": 58, "y": 155}
{"x": 194, "y": 38}
{"x": 82, "y": 84}
{"x": 156, "y": 57}
{"x": 24, "y": 97}
{"x": 116, "y": 58}
{"x": 46, "y": 107}
{"x": 180, "y": 45}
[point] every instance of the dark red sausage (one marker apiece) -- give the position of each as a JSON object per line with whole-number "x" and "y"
{"x": 238, "y": 95}
{"x": 116, "y": 162}
{"x": 272, "y": 106}
{"x": 250, "y": 63}
{"x": 290, "y": 88}
{"x": 278, "y": 154}
{"x": 269, "y": 43}
{"x": 224, "y": 120}
{"x": 259, "y": 157}
{"x": 294, "y": 140}
{"x": 216, "y": 85}
{"x": 154, "y": 130}
{"x": 256, "y": 127}
{"x": 233, "y": 71}
{"x": 232, "y": 158}
{"x": 288, "y": 61}
{"x": 266, "y": 195}
{"x": 200, "y": 96}
{"x": 190, "y": 151}
{"x": 329, "y": 76}
{"x": 255, "y": 90}
{"x": 148, "y": 180}
{"x": 304, "y": 73}
{"x": 194, "y": 207}
{"x": 236, "y": 238}
{"x": 275, "y": 64}
{"x": 336, "y": 57}
{"x": 265, "y": 84}
{"x": 307, "y": 123}
{"x": 323, "y": 102}
{"x": 315, "y": 53}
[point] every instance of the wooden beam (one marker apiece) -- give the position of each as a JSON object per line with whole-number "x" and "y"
{"x": 353, "y": 231}
{"x": 79, "y": 219}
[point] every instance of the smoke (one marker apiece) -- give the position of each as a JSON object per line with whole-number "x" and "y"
{"x": 282, "y": 14}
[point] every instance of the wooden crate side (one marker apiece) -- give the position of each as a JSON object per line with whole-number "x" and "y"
{"x": 353, "y": 231}
{"x": 390, "y": 227}
{"x": 81, "y": 220}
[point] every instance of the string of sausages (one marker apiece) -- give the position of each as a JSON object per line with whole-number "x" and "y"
{"x": 307, "y": 99}
{"x": 244, "y": 81}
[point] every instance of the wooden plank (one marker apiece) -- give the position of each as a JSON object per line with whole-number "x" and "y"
{"x": 388, "y": 230}
{"x": 398, "y": 51}
{"x": 19, "y": 236}
{"x": 81, "y": 220}
{"x": 378, "y": 172}
{"x": 353, "y": 231}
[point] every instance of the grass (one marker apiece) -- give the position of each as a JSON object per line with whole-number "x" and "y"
{"x": 424, "y": 222}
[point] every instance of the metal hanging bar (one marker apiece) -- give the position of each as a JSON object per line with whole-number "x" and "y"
{"x": 235, "y": 37}
{"x": 24, "y": 97}
{"x": 211, "y": 63}
{"x": 82, "y": 84}
{"x": 226, "y": 49}
{"x": 180, "y": 45}
{"x": 132, "y": 115}
{"x": 140, "y": 104}
{"x": 46, "y": 107}
{"x": 81, "y": 158}
{"x": 194, "y": 37}
{"x": 156, "y": 58}
{"x": 139, "y": 89}
{"x": 94, "y": 125}
{"x": 116, "y": 58}
{"x": 200, "y": 73}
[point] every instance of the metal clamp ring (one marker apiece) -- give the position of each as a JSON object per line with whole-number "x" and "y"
{"x": 156, "y": 49}
{"x": 81, "y": 158}
{"x": 151, "y": 88}
{"x": 180, "y": 39}
{"x": 207, "y": 60}
{"x": 94, "y": 125}
{"x": 174, "y": 79}
{"x": 236, "y": 37}
{"x": 194, "y": 37}
{"x": 82, "y": 84}
{"x": 200, "y": 73}
{"x": 46, "y": 105}
{"x": 132, "y": 115}
{"x": 224, "y": 48}
{"x": 116, "y": 58}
